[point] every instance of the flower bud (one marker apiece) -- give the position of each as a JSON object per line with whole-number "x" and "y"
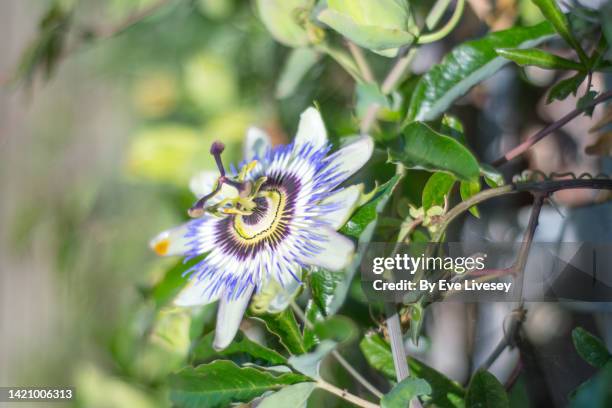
{"x": 379, "y": 25}
{"x": 284, "y": 20}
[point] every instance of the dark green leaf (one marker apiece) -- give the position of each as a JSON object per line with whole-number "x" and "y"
{"x": 585, "y": 101}
{"x": 285, "y": 327}
{"x": 436, "y": 188}
{"x": 222, "y": 382}
{"x": 538, "y": 58}
{"x": 323, "y": 284}
{"x": 445, "y": 392}
{"x": 595, "y": 392}
{"x": 590, "y": 348}
{"x": 564, "y": 88}
{"x": 467, "y": 65}
{"x": 485, "y": 391}
{"x": 240, "y": 350}
{"x": 367, "y": 213}
{"x": 423, "y": 148}
{"x": 45, "y": 52}
{"x": 553, "y": 13}
{"x": 313, "y": 314}
{"x": 403, "y": 392}
{"x": 468, "y": 189}
{"x": 297, "y": 64}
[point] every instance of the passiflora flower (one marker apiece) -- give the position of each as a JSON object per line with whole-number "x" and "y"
{"x": 261, "y": 224}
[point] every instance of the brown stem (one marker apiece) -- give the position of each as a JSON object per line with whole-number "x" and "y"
{"x": 345, "y": 395}
{"x": 521, "y": 148}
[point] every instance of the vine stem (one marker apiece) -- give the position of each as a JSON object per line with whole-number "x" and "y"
{"x": 345, "y": 395}
{"x": 347, "y": 366}
{"x": 518, "y": 315}
{"x": 544, "y": 187}
{"x": 521, "y": 148}
{"x": 361, "y": 61}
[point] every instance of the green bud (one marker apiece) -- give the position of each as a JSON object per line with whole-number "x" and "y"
{"x": 379, "y": 25}
{"x": 285, "y": 20}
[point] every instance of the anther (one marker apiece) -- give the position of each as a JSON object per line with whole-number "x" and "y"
{"x": 216, "y": 149}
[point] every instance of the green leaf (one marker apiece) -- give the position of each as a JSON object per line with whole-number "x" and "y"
{"x": 171, "y": 284}
{"x": 467, "y": 65}
{"x": 553, "y": 13}
{"x": 367, "y": 213}
{"x": 491, "y": 175}
{"x": 379, "y": 25}
{"x": 401, "y": 394}
{"x": 564, "y": 88}
{"x": 222, "y": 382}
{"x": 323, "y": 284}
{"x": 368, "y": 94}
{"x": 378, "y": 39}
{"x": 240, "y": 350}
{"x": 46, "y": 50}
{"x": 423, "y": 148}
{"x": 297, "y": 64}
{"x": 362, "y": 225}
{"x": 309, "y": 363}
{"x": 538, "y": 58}
{"x": 452, "y": 126}
{"x": 595, "y": 392}
{"x": 590, "y": 348}
{"x": 167, "y": 345}
{"x": 285, "y": 327}
{"x": 485, "y": 391}
{"x": 437, "y": 187}
{"x": 313, "y": 314}
{"x": 468, "y": 189}
{"x": 586, "y": 100}
{"x": 293, "y": 396}
{"x": 340, "y": 329}
{"x": 445, "y": 392}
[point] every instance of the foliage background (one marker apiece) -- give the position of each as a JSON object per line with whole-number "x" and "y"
{"x": 95, "y": 161}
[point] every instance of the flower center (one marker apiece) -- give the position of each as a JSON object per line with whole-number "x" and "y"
{"x": 266, "y": 226}
{"x": 266, "y": 221}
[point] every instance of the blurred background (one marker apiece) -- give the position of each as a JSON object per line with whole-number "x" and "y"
{"x": 96, "y": 159}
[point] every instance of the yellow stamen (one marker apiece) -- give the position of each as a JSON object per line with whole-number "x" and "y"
{"x": 161, "y": 247}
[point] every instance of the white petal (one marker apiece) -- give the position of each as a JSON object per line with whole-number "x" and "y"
{"x": 343, "y": 203}
{"x": 336, "y": 253}
{"x": 352, "y": 157}
{"x": 256, "y": 144}
{"x": 311, "y": 129}
{"x": 229, "y": 317}
{"x": 203, "y": 183}
{"x": 195, "y": 294}
{"x": 171, "y": 242}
